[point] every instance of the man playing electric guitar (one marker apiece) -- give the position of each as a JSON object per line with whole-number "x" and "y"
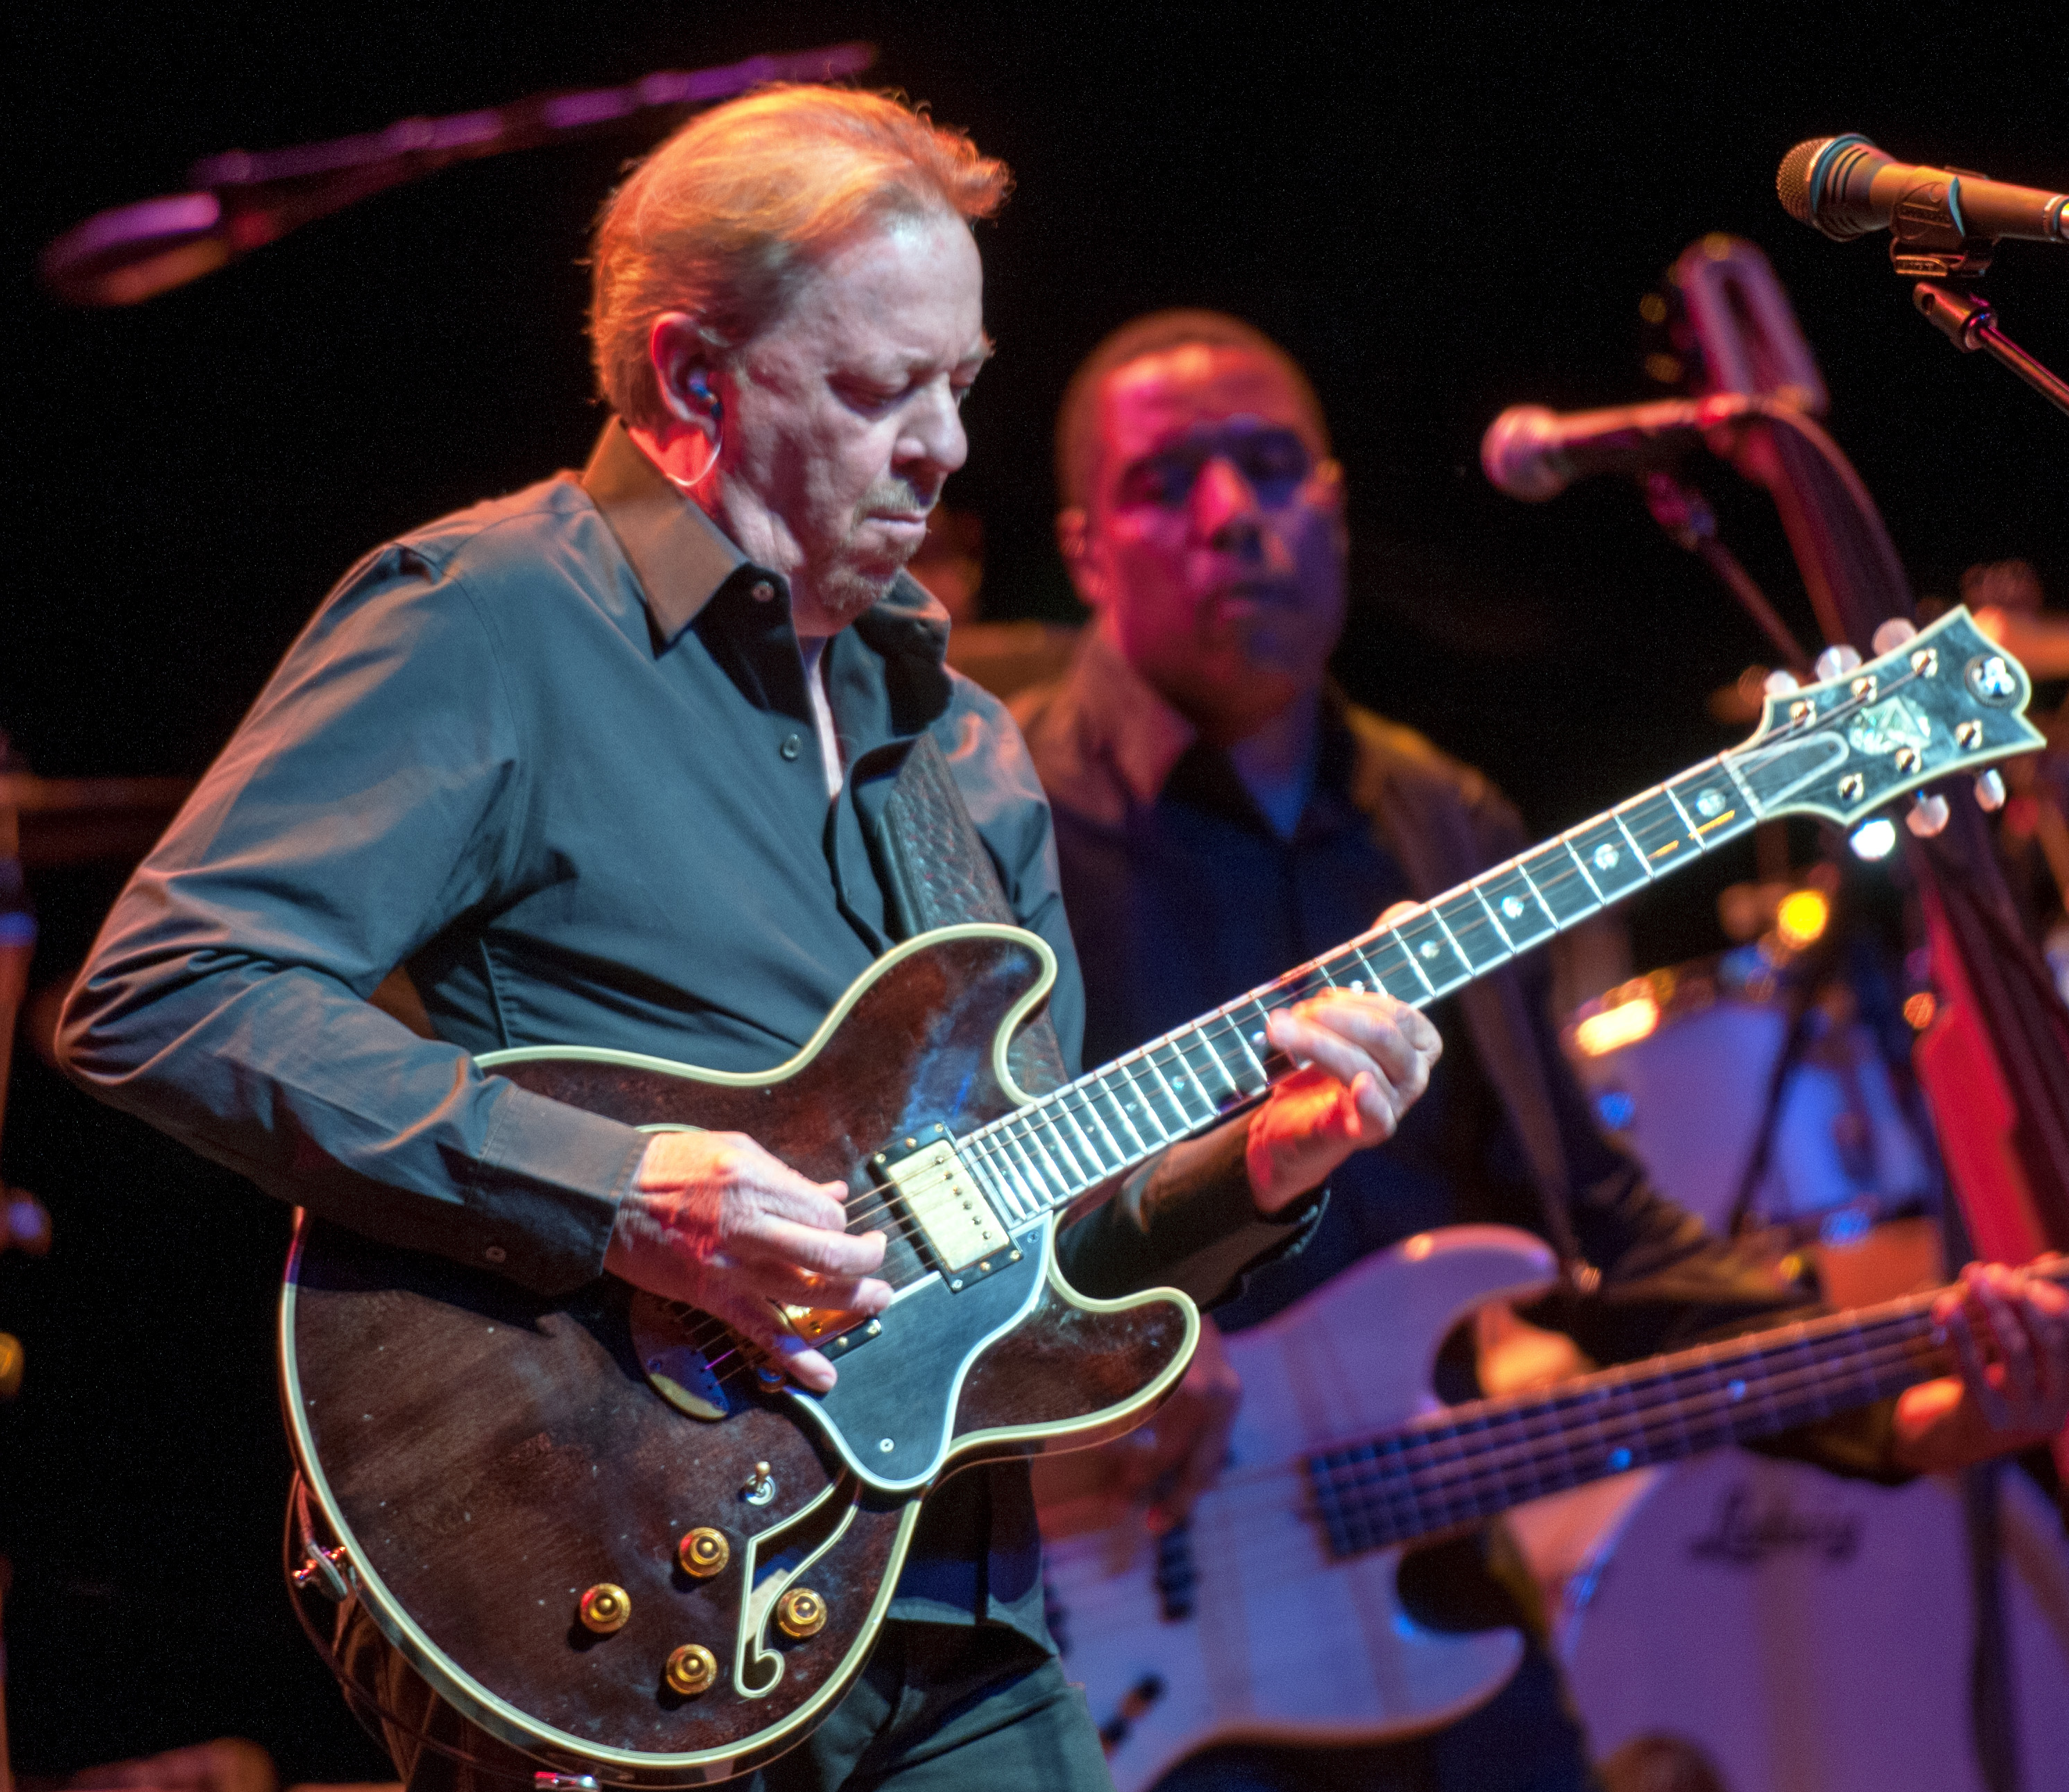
{"x": 606, "y": 764}
{"x": 1220, "y": 810}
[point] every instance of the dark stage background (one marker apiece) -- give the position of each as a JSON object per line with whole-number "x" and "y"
{"x": 1439, "y": 210}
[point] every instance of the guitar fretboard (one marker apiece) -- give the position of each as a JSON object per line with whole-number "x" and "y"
{"x": 1472, "y": 1462}
{"x": 1047, "y": 1153}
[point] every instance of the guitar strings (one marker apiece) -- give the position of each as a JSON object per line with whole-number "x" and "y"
{"x": 988, "y": 1143}
{"x": 1236, "y": 1501}
{"x": 1414, "y": 1470}
{"x": 1079, "y": 1098}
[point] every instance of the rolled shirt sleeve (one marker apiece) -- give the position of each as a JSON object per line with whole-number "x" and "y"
{"x": 368, "y": 799}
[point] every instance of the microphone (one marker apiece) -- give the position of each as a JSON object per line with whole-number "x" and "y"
{"x": 1534, "y": 454}
{"x": 1846, "y": 187}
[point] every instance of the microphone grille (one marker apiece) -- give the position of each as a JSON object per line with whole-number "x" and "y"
{"x": 1792, "y": 181}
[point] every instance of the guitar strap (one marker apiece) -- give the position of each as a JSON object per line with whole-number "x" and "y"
{"x": 936, "y": 872}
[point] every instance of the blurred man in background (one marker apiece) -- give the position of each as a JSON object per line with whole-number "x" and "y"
{"x": 1222, "y": 812}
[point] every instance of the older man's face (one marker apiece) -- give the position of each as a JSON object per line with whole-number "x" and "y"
{"x": 841, "y": 420}
{"x": 1213, "y": 547}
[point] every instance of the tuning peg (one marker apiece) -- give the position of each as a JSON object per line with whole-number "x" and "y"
{"x": 1836, "y": 663}
{"x": 1927, "y": 816}
{"x": 1990, "y": 790}
{"x": 1780, "y": 683}
{"x": 1891, "y": 635}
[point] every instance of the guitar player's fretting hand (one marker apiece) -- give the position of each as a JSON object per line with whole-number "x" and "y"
{"x": 714, "y": 1220}
{"x": 1365, "y": 1059}
{"x": 2009, "y": 1330}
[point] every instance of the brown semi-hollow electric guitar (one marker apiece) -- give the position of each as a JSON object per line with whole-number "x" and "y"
{"x": 616, "y": 1540}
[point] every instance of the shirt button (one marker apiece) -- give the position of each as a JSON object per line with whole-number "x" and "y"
{"x": 495, "y": 1253}
{"x": 793, "y": 745}
{"x": 763, "y": 591}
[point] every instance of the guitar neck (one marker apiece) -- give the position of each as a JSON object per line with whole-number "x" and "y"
{"x": 1475, "y": 1461}
{"x": 1111, "y": 1119}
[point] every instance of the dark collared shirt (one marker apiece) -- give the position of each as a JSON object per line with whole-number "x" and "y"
{"x": 555, "y": 755}
{"x": 572, "y": 783}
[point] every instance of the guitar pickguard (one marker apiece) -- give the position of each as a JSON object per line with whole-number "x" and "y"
{"x": 891, "y": 1415}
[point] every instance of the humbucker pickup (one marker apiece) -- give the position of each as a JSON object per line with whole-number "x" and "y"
{"x": 945, "y": 1202}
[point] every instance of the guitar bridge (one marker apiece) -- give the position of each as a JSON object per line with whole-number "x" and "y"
{"x": 944, "y": 1202}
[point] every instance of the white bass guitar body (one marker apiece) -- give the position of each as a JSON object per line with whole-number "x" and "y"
{"x": 1286, "y": 1640}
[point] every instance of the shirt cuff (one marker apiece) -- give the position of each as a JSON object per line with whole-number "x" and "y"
{"x": 544, "y": 1195}
{"x": 1186, "y": 1219}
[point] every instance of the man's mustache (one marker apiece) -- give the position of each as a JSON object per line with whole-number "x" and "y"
{"x": 896, "y": 497}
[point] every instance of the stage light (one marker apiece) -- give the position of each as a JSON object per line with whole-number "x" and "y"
{"x": 1801, "y": 917}
{"x": 1875, "y": 840}
{"x": 1919, "y": 1009}
{"x": 1615, "y": 1028}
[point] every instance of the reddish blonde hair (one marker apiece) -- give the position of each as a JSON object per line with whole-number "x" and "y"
{"x": 726, "y": 218}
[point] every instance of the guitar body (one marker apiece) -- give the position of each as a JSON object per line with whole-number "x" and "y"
{"x": 490, "y": 1467}
{"x": 482, "y": 1457}
{"x": 1285, "y": 1642}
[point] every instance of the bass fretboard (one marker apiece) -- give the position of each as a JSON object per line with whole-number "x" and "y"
{"x": 1475, "y": 1461}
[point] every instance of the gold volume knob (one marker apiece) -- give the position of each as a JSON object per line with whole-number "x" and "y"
{"x": 801, "y": 1613}
{"x": 606, "y": 1609}
{"x": 691, "y": 1670}
{"x": 703, "y": 1552}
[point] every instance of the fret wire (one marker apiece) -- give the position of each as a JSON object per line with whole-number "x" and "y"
{"x": 981, "y": 1148}
{"x": 1177, "y": 1100}
{"x": 1452, "y": 940}
{"x": 1091, "y": 1150}
{"x": 1035, "y": 1136}
{"x": 1121, "y": 1108}
{"x": 1247, "y": 1051}
{"x": 1688, "y": 821}
{"x": 1042, "y": 1183}
{"x": 1590, "y": 899}
{"x": 1601, "y": 900}
{"x": 1148, "y": 1097}
{"x": 1494, "y": 920}
{"x": 1174, "y": 1077}
{"x": 1170, "y": 1095}
{"x": 1637, "y": 851}
{"x": 1429, "y": 987}
{"x": 978, "y": 1157}
{"x": 1523, "y": 871}
{"x": 1378, "y": 977}
{"x": 1204, "y": 1042}
{"x": 1746, "y": 790}
{"x": 1036, "y": 1190}
{"x": 1095, "y": 1089}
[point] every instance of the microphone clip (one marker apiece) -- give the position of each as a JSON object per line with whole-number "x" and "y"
{"x": 1929, "y": 237}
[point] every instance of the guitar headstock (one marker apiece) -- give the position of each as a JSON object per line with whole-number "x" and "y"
{"x": 1948, "y": 700}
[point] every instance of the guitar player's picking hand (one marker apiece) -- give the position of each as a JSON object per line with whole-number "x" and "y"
{"x": 1364, "y": 1058}
{"x": 1170, "y": 1462}
{"x": 715, "y": 1220}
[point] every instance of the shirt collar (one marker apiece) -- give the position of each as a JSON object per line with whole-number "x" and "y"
{"x": 682, "y": 558}
{"x": 1121, "y": 739}
{"x": 1119, "y": 722}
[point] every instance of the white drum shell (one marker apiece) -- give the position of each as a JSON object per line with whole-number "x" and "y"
{"x": 1811, "y": 1634}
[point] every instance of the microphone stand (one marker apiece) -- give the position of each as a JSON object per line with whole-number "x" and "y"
{"x": 1967, "y": 320}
